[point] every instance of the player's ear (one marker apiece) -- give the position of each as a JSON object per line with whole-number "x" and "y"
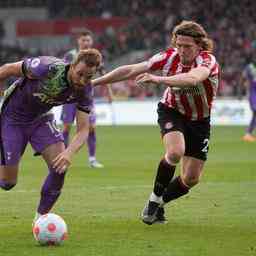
{"x": 72, "y": 66}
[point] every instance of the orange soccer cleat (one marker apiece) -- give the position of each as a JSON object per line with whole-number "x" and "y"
{"x": 249, "y": 138}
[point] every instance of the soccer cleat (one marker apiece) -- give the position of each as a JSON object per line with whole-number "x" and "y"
{"x": 37, "y": 216}
{"x": 95, "y": 164}
{"x": 149, "y": 213}
{"x": 160, "y": 218}
{"x": 249, "y": 138}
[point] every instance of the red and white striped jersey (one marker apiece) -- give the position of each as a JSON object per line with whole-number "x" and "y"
{"x": 194, "y": 102}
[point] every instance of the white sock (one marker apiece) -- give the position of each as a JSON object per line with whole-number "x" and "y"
{"x": 158, "y": 199}
{"x": 92, "y": 158}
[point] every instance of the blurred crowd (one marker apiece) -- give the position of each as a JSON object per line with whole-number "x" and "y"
{"x": 230, "y": 23}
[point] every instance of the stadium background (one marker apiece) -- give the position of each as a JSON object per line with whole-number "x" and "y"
{"x": 102, "y": 208}
{"x": 130, "y": 32}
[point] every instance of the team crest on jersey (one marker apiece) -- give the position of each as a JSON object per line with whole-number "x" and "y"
{"x": 206, "y": 62}
{"x": 168, "y": 125}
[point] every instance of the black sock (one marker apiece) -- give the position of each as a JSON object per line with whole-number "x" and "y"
{"x": 164, "y": 175}
{"x": 175, "y": 189}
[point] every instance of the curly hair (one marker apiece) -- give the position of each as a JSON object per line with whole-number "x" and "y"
{"x": 195, "y": 30}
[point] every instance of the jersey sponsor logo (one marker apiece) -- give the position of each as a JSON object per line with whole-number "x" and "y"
{"x": 35, "y": 62}
{"x": 187, "y": 91}
{"x": 46, "y": 99}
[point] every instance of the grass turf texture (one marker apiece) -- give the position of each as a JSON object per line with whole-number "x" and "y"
{"x": 102, "y": 206}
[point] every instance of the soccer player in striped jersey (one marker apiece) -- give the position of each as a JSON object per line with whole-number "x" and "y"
{"x": 84, "y": 41}
{"x": 191, "y": 75}
{"x": 249, "y": 80}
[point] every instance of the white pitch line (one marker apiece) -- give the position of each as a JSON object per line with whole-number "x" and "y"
{"x": 216, "y": 184}
{"x": 81, "y": 189}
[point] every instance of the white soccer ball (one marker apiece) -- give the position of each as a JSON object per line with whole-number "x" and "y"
{"x": 50, "y": 229}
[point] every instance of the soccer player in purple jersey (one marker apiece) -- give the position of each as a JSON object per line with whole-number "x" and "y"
{"x": 249, "y": 79}
{"x": 84, "y": 41}
{"x": 44, "y": 82}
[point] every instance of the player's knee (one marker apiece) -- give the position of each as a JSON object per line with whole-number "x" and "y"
{"x": 92, "y": 129}
{"x": 190, "y": 180}
{"x": 5, "y": 185}
{"x": 174, "y": 156}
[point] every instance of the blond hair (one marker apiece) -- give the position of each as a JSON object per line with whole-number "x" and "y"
{"x": 195, "y": 30}
{"x": 91, "y": 57}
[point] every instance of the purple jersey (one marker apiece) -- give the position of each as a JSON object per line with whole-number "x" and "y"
{"x": 250, "y": 74}
{"x": 43, "y": 86}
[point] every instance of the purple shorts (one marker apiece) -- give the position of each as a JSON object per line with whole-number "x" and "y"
{"x": 69, "y": 112}
{"x": 15, "y": 137}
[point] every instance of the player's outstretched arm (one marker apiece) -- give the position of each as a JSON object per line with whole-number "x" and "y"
{"x": 121, "y": 73}
{"x": 63, "y": 160}
{"x": 11, "y": 69}
{"x": 82, "y": 130}
{"x": 191, "y": 78}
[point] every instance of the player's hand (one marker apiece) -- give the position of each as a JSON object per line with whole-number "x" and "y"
{"x": 146, "y": 78}
{"x": 62, "y": 162}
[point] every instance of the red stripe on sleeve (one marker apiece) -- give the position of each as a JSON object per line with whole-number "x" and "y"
{"x": 158, "y": 62}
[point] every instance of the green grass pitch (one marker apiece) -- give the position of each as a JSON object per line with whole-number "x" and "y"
{"x": 102, "y": 206}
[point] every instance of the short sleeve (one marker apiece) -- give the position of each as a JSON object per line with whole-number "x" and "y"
{"x": 158, "y": 61}
{"x": 206, "y": 60}
{"x": 34, "y": 68}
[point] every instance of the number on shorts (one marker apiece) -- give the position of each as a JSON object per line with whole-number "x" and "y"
{"x": 206, "y": 145}
{"x": 53, "y": 126}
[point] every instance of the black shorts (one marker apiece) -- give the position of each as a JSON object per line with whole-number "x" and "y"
{"x": 196, "y": 133}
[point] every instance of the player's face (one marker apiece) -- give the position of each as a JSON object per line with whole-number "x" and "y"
{"x": 187, "y": 49}
{"x": 81, "y": 74}
{"x": 85, "y": 42}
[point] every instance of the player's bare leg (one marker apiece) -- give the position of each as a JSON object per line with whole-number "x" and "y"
{"x": 53, "y": 183}
{"x": 8, "y": 176}
{"x": 191, "y": 170}
{"x": 175, "y": 147}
